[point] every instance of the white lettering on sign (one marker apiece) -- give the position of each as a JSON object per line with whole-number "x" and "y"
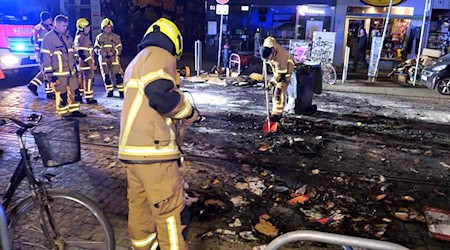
{"x": 323, "y": 46}
{"x": 303, "y": 10}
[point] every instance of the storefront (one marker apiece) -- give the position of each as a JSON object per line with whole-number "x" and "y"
{"x": 402, "y": 33}
{"x": 284, "y": 20}
{"x": 439, "y": 34}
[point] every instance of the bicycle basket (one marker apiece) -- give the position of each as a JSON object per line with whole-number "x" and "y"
{"x": 58, "y": 142}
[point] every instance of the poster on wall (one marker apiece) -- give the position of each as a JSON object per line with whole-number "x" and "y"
{"x": 311, "y": 27}
{"x": 323, "y": 46}
{"x": 381, "y": 3}
{"x": 299, "y": 49}
{"x": 374, "y": 52}
{"x": 212, "y": 28}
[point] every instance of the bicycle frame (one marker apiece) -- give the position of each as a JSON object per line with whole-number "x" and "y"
{"x": 37, "y": 188}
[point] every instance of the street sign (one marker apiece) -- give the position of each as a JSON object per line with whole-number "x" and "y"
{"x": 222, "y": 1}
{"x": 382, "y": 3}
{"x": 222, "y": 9}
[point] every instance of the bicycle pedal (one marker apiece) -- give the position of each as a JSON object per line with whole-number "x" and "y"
{"x": 49, "y": 177}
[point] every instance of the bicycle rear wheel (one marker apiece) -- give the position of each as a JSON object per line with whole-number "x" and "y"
{"x": 78, "y": 221}
{"x": 328, "y": 73}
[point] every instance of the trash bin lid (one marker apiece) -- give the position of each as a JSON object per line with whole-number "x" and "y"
{"x": 311, "y": 62}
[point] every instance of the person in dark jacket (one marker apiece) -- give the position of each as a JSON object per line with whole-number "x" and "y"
{"x": 361, "y": 50}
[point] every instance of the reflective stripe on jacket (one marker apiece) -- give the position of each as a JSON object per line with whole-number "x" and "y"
{"x": 108, "y": 42}
{"x": 84, "y": 47}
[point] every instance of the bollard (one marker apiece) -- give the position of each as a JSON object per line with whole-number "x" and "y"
{"x": 198, "y": 56}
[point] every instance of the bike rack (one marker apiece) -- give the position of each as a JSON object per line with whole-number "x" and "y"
{"x": 4, "y": 236}
{"x": 330, "y": 238}
{"x": 235, "y": 59}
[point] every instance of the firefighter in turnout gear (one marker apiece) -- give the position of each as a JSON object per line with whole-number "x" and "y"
{"x": 83, "y": 45}
{"x": 39, "y": 32}
{"x": 153, "y": 108}
{"x": 108, "y": 47}
{"x": 282, "y": 66}
{"x": 58, "y": 63}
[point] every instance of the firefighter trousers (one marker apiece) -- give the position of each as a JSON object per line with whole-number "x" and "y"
{"x": 38, "y": 80}
{"x": 156, "y": 206}
{"x": 279, "y": 97}
{"x": 87, "y": 78}
{"x": 109, "y": 69}
{"x": 67, "y": 95}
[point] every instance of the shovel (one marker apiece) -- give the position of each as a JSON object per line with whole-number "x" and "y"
{"x": 268, "y": 126}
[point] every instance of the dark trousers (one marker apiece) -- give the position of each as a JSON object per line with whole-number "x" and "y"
{"x": 360, "y": 56}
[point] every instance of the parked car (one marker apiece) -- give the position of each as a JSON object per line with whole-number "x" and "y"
{"x": 437, "y": 75}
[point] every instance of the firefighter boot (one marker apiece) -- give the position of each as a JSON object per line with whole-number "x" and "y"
{"x": 109, "y": 86}
{"x": 49, "y": 90}
{"x": 91, "y": 101}
{"x": 119, "y": 82}
{"x": 77, "y": 98}
{"x": 33, "y": 89}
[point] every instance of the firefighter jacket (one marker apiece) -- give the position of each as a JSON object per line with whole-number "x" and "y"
{"x": 39, "y": 32}
{"x": 152, "y": 106}
{"x": 281, "y": 63}
{"x": 108, "y": 42}
{"x": 84, "y": 47}
{"x": 58, "y": 55}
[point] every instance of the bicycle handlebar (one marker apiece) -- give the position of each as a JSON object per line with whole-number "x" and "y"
{"x": 33, "y": 117}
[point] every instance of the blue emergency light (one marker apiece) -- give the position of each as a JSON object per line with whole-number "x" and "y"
{"x": 20, "y": 47}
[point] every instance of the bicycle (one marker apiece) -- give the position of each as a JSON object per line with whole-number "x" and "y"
{"x": 53, "y": 218}
{"x": 328, "y": 73}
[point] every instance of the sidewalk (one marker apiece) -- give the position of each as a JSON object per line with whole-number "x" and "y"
{"x": 383, "y": 88}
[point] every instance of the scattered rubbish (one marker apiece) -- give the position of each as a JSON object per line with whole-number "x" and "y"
{"x": 319, "y": 137}
{"x": 406, "y": 214}
{"x": 265, "y": 227}
{"x": 279, "y": 189}
{"x": 413, "y": 170}
{"x": 111, "y": 165}
{"x": 239, "y": 201}
{"x": 256, "y": 77}
{"x": 382, "y": 179}
{"x": 255, "y": 185}
{"x": 94, "y": 136}
{"x": 104, "y": 127}
{"x": 359, "y": 124}
{"x": 215, "y": 202}
{"x": 224, "y": 234}
{"x": 438, "y": 221}
{"x": 107, "y": 140}
{"x": 347, "y": 198}
{"x": 407, "y": 198}
{"x": 236, "y": 223}
{"x": 445, "y": 165}
{"x": 315, "y": 171}
{"x": 216, "y": 181}
{"x": 247, "y": 235}
{"x": 241, "y": 186}
{"x": 387, "y": 220}
{"x": 298, "y": 200}
{"x": 190, "y": 200}
{"x": 264, "y": 148}
{"x": 300, "y": 191}
{"x": 439, "y": 192}
{"x": 380, "y": 197}
{"x": 428, "y": 153}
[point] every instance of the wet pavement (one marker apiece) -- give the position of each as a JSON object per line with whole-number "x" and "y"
{"x": 365, "y": 165}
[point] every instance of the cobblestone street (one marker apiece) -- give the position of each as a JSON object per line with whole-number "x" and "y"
{"x": 402, "y": 147}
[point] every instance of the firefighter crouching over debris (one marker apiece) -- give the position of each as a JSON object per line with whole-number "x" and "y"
{"x": 108, "y": 47}
{"x": 58, "y": 63}
{"x": 84, "y": 47}
{"x": 39, "y": 31}
{"x": 282, "y": 66}
{"x": 150, "y": 143}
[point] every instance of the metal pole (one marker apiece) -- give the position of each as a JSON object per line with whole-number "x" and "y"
{"x": 220, "y": 41}
{"x": 377, "y": 61}
{"x": 330, "y": 238}
{"x": 425, "y": 10}
{"x": 198, "y": 56}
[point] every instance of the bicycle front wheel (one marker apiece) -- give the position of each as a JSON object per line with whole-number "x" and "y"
{"x": 69, "y": 221}
{"x": 329, "y": 74}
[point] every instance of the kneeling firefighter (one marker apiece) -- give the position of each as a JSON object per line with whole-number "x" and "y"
{"x": 282, "y": 66}
{"x": 150, "y": 142}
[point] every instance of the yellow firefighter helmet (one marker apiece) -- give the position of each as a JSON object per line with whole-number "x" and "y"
{"x": 82, "y": 23}
{"x": 269, "y": 42}
{"x": 169, "y": 29}
{"x": 106, "y": 22}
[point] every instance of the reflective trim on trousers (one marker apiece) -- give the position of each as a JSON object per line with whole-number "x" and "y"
{"x": 172, "y": 230}
{"x": 36, "y": 82}
{"x": 144, "y": 242}
{"x": 74, "y": 107}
